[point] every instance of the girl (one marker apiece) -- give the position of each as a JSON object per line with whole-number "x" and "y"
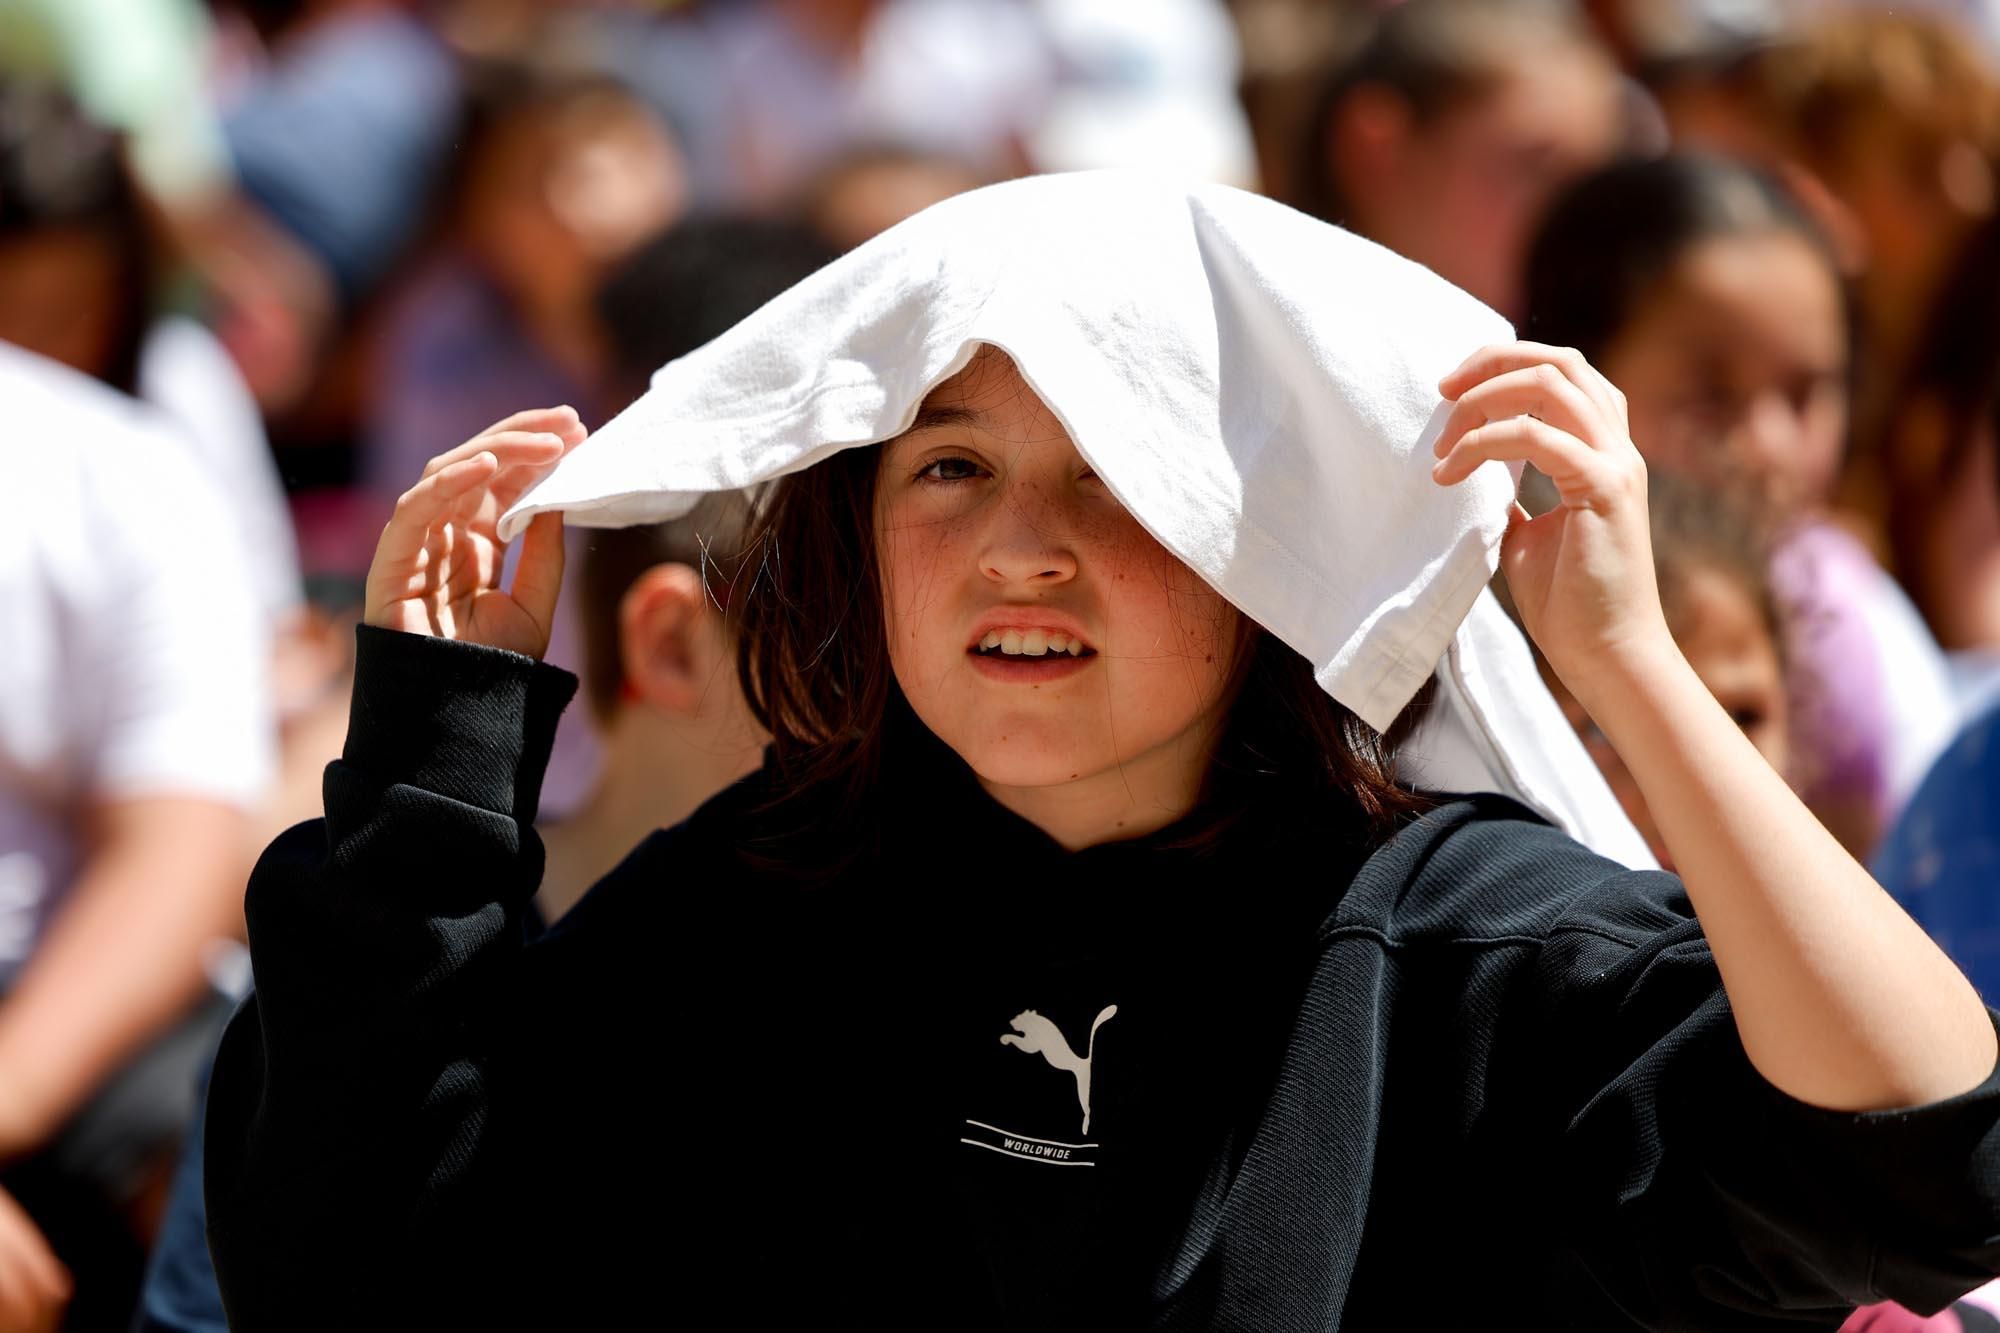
{"x": 1076, "y": 960}
{"x": 1710, "y": 300}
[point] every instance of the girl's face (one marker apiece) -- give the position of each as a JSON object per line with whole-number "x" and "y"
{"x": 1034, "y": 626}
{"x": 1727, "y": 641}
{"x": 1735, "y": 366}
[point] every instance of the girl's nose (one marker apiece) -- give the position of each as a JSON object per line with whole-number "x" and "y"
{"x": 1023, "y": 551}
{"x": 1772, "y": 428}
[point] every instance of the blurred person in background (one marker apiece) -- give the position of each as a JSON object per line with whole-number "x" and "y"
{"x": 1711, "y": 557}
{"x": 1151, "y": 86}
{"x": 1714, "y": 303}
{"x": 81, "y": 280}
{"x": 1287, "y": 48}
{"x": 1942, "y": 495}
{"x": 1885, "y": 120}
{"x": 1942, "y": 859}
{"x": 1445, "y": 134}
{"x": 872, "y": 189}
{"x": 658, "y": 654}
{"x": 135, "y": 740}
{"x": 140, "y": 67}
{"x": 802, "y": 83}
{"x": 341, "y": 126}
{"x": 562, "y": 175}
{"x": 79, "y": 283}
{"x": 658, "y": 662}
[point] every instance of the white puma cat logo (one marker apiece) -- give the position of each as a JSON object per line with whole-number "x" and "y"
{"x": 1038, "y": 1036}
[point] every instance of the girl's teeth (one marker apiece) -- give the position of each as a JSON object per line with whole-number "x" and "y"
{"x": 1029, "y": 643}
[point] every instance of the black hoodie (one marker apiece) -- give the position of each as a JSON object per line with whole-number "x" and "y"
{"x": 947, "y": 1075}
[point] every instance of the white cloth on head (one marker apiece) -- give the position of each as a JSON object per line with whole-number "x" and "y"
{"x": 1258, "y": 388}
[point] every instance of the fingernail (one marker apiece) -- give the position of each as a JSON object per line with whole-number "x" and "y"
{"x": 1437, "y": 472}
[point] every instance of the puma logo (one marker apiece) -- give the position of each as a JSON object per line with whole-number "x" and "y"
{"x": 1038, "y": 1036}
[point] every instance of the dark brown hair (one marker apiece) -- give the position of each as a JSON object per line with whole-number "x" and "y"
{"x": 814, "y": 661}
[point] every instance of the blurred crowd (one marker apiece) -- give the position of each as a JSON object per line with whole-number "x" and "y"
{"x": 261, "y": 259}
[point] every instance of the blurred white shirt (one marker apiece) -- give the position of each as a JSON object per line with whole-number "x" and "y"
{"x": 133, "y": 650}
{"x": 187, "y": 373}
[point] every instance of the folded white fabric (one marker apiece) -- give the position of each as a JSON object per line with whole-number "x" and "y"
{"x": 1258, "y": 388}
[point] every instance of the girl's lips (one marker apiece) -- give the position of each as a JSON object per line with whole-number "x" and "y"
{"x": 1029, "y": 670}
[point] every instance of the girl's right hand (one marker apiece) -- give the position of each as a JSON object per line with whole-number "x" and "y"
{"x": 437, "y": 566}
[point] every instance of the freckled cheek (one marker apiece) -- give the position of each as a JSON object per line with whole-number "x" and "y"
{"x": 918, "y": 562}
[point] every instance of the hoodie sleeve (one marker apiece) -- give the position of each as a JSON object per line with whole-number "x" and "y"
{"x": 350, "y": 1126}
{"x": 1701, "y": 1196}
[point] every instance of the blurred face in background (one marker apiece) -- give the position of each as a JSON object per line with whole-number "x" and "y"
{"x": 62, "y": 295}
{"x": 1735, "y": 365}
{"x": 1728, "y": 642}
{"x": 1461, "y": 191}
{"x": 557, "y": 194}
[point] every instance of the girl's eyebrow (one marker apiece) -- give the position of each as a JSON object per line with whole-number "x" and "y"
{"x": 930, "y": 418}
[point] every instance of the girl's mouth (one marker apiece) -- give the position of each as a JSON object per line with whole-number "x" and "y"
{"x": 1030, "y": 643}
{"x": 1029, "y": 656}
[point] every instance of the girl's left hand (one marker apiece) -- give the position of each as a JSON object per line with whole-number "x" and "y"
{"x": 1581, "y": 574}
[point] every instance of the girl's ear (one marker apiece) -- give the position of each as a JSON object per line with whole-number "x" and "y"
{"x": 667, "y": 645}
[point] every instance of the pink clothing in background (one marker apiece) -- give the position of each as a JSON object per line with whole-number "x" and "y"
{"x": 1973, "y": 1313}
{"x": 1871, "y": 698}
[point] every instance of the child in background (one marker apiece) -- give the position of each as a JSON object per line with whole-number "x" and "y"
{"x": 1885, "y": 119}
{"x": 654, "y": 601}
{"x": 1710, "y": 300}
{"x": 1445, "y": 133}
{"x": 1712, "y": 564}
{"x": 1939, "y": 465}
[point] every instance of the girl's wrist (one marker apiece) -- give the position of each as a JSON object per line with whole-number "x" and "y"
{"x": 1645, "y": 674}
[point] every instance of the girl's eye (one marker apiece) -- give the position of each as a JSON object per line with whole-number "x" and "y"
{"x": 950, "y": 469}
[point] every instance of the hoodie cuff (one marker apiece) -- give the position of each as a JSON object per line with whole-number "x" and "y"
{"x": 468, "y": 722}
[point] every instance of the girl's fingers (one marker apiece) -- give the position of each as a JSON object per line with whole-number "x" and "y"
{"x": 538, "y": 576}
{"x": 512, "y": 448}
{"x": 1540, "y": 391}
{"x": 404, "y": 539}
{"x": 1501, "y": 358}
{"x": 1577, "y": 470}
{"x": 554, "y": 420}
